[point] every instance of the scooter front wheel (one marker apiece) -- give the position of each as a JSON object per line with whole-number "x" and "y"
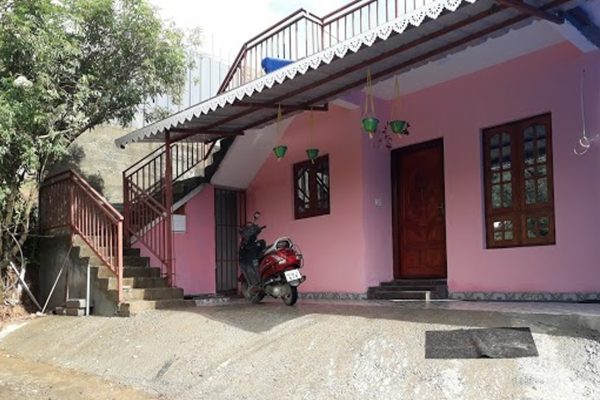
{"x": 254, "y": 298}
{"x": 292, "y": 297}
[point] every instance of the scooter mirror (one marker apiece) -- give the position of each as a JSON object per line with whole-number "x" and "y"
{"x": 256, "y": 215}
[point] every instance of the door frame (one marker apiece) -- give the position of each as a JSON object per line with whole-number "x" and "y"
{"x": 225, "y": 252}
{"x": 396, "y": 156}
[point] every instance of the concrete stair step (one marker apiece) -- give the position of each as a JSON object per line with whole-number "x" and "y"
{"x": 416, "y": 282}
{"x": 401, "y": 288}
{"x": 139, "y": 272}
{"x": 140, "y": 282}
{"x": 401, "y": 295}
{"x": 131, "y": 252}
{"x": 75, "y": 312}
{"x": 163, "y": 293}
{"x": 76, "y": 303}
{"x": 136, "y": 261}
{"x": 136, "y": 306}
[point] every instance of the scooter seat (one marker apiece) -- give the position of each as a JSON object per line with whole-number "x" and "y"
{"x": 282, "y": 243}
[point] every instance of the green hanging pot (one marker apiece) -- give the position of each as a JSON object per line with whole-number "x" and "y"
{"x": 312, "y": 154}
{"x": 280, "y": 151}
{"x": 399, "y": 126}
{"x": 370, "y": 124}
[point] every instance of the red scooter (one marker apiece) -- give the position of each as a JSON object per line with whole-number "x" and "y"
{"x": 269, "y": 270}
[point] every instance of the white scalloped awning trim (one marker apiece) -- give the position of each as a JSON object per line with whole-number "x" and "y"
{"x": 399, "y": 25}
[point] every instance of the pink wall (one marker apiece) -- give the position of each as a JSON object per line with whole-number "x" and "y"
{"x": 351, "y": 249}
{"x": 545, "y": 81}
{"x": 195, "y": 249}
{"x": 377, "y": 199}
{"x": 333, "y": 245}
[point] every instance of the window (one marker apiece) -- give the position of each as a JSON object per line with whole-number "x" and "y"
{"x": 311, "y": 188}
{"x": 519, "y": 200}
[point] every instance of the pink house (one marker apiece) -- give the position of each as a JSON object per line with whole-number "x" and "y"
{"x": 491, "y": 193}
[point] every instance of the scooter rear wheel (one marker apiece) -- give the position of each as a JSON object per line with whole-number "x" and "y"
{"x": 291, "y": 298}
{"x": 254, "y": 298}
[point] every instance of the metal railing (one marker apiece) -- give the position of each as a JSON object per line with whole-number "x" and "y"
{"x": 68, "y": 201}
{"x": 147, "y": 200}
{"x": 302, "y": 34}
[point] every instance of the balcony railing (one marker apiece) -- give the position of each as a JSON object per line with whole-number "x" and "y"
{"x": 303, "y": 34}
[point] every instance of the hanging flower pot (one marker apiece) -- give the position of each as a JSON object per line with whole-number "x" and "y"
{"x": 399, "y": 126}
{"x": 280, "y": 151}
{"x": 370, "y": 124}
{"x": 312, "y": 154}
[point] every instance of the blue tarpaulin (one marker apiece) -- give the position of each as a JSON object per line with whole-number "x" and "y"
{"x": 270, "y": 64}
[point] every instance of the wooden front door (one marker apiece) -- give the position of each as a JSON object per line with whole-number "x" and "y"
{"x": 419, "y": 221}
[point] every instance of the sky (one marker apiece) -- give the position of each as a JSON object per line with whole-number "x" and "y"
{"x": 227, "y": 24}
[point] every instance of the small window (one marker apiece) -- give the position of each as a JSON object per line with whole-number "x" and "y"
{"x": 519, "y": 199}
{"x": 311, "y": 188}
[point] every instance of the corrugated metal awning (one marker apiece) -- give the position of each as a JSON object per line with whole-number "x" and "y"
{"x": 433, "y": 32}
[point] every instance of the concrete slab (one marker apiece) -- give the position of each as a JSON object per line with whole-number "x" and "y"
{"x": 321, "y": 350}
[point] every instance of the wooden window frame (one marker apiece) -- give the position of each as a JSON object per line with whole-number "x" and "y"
{"x": 313, "y": 166}
{"x": 519, "y": 211}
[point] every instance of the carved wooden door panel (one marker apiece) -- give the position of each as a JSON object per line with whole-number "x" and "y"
{"x": 419, "y": 209}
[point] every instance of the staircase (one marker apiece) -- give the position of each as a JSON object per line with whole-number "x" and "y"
{"x": 148, "y": 201}
{"x": 409, "y": 289}
{"x": 143, "y": 287}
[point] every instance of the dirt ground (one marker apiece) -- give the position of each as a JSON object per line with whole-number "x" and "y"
{"x": 21, "y": 379}
{"x": 313, "y": 351}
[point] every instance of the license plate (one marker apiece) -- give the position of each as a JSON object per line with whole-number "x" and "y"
{"x": 292, "y": 275}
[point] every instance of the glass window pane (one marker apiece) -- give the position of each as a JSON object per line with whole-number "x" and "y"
{"x": 508, "y": 235}
{"x": 496, "y": 196}
{"x": 531, "y": 228}
{"x": 538, "y": 227}
{"x": 529, "y": 172}
{"x": 303, "y": 188}
{"x": 542, "y": 190}
{"x": 495, "y": 141}
{"x": 506, "y": 176}
{"x": 528, "y": 134}
{"x": 507, "y": 195}
{"x": 541, "y": 170}
{"x": 495, "y": 159}
{"x": 544, "y": 226}
{"x": 540, "y": 132}
{"x": 528, "y": 151}
{"x": 530, "y": 191}
{"x": 495, "y": 177}
{"x": 541, "y": 150}
{"x": 506, "y": 151}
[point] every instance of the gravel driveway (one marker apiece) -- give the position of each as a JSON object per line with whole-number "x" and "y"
{"x": 312, "y": 351}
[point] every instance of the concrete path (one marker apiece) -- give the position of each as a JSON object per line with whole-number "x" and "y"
{"x": 318, "y": 351}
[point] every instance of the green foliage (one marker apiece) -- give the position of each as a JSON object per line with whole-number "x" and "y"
{"x": 67, "y": 66}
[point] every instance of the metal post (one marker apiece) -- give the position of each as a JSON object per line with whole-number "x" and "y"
{"x": 126, "y": 211}
{"x": 169, "y": 211}
{"x": 87, "y": 292}
{"x": 120, "y": 261}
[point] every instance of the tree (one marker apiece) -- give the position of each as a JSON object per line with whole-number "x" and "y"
{"x": 67, "y": 66}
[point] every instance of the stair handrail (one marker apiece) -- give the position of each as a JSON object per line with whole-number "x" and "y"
{"x": 155, "y": 244}
{"x": 87, "y": 214}
{"x": 152, "y": 154}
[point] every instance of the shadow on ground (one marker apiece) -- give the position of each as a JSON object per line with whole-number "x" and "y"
{"x": 266, "y": 316}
